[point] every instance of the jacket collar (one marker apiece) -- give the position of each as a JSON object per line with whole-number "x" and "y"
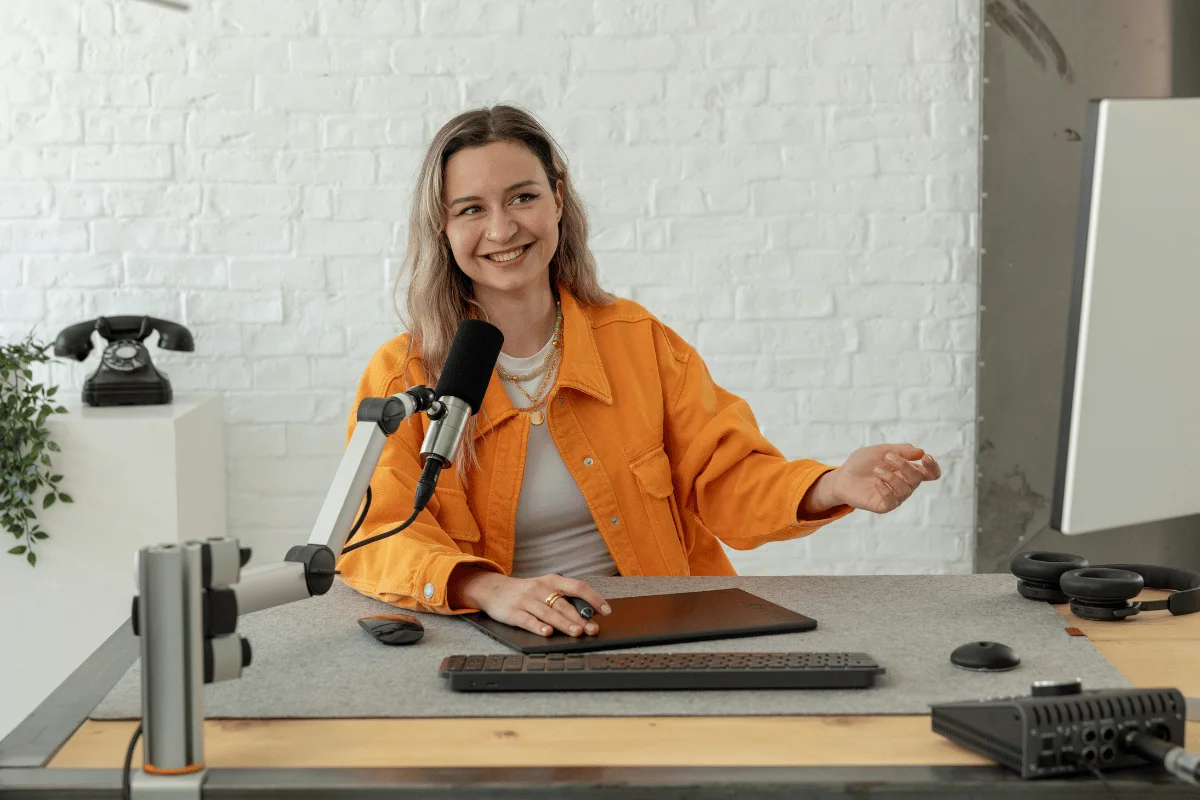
{"x": 581, "y": 367}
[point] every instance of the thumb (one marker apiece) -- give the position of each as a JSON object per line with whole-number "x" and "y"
{"x": 907, "y": 451}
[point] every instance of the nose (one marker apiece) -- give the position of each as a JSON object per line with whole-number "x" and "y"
{"x": 501, "y": 227}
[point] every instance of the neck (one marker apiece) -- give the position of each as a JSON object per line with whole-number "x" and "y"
{"x": 526, "y": 320}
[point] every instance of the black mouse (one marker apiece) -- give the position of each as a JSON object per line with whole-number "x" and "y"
{"x": 581, "y": 605}
{"x": 985, "y": 657}
{"x": 393, "y": 628}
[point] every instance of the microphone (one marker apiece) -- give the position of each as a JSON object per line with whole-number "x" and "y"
{"x": 460, "y": 390}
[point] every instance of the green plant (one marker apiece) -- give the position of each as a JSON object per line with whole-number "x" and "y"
{"x": 25, "y": 445}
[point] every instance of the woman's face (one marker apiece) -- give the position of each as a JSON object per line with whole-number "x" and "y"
{"x": 501, "y": 217}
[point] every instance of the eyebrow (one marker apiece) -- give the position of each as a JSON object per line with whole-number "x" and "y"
{"x": 506, "y": 191}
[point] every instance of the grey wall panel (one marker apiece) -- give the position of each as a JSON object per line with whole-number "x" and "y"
{"x": 1042, "y": 61}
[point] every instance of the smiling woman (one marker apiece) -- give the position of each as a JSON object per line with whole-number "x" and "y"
{"x": 602, "y": 446}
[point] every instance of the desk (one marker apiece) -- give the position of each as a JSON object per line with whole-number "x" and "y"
{"x": 693, "y": 757}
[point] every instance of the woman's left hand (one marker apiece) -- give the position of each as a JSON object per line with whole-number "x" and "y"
{"x": 880, "y": 477}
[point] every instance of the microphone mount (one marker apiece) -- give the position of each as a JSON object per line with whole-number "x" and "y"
{"x": 190, "y": 595}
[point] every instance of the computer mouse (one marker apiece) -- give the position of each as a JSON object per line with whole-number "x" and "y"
{"x": 581, "y": 605}
{"x": 393, "y": 628}
{"x": 985, "y": 657}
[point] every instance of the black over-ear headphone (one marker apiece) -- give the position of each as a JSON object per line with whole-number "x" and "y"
{"x": 1103, "y": 592}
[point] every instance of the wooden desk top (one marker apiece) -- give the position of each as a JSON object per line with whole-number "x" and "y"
{"x": 1151, "y": 650}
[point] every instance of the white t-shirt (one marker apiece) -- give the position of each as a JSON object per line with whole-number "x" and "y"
{"x": 555, "y": 531}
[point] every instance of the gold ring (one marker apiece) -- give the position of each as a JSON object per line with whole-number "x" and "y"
{"x": 550, "y": 600}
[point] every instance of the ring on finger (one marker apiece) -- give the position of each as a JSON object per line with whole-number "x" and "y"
{"x": 550, "y": 600}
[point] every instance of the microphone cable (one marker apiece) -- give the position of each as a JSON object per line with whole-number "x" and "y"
{"x": 126, "y": 779}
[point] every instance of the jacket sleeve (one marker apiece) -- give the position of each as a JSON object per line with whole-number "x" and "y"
{"x": 412, "y": 568}
{"x": 727, "y": 475}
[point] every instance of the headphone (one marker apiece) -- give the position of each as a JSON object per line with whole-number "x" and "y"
{"x": 1103, "y": 592}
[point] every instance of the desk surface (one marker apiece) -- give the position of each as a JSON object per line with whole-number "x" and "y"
{"x": 1152, "y": 650}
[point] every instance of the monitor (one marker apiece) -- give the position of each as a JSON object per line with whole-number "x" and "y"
{"x": 1129, "y": 434}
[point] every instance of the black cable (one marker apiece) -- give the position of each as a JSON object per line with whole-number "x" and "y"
{"x": 383, "y": 535}
{"x": 362, "y": 516}
{"x": 1094, "y": 770}
{"x": 125, "y": 777}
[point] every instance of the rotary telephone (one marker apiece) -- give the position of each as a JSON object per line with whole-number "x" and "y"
{"x": 126, "y": 376}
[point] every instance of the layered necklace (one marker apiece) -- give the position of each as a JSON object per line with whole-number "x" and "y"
{"x": 546, "y": 370}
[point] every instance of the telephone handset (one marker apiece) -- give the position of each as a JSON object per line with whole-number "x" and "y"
{"x": 126, "y": 376}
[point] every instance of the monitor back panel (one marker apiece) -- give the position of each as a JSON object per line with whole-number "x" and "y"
{"x": 1129, "y": 431}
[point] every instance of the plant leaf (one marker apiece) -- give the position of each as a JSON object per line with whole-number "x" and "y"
{"x": 41, "y": 535}
{"x": 16, "y": 551}
{"x": 31, "y": 557}
{"x": 48, "y": 500}
{"x": 52, "y": 447}
{"x": 66, "y": 498}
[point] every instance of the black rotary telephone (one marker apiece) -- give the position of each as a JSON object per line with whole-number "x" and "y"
{"x": 126, "y": 376}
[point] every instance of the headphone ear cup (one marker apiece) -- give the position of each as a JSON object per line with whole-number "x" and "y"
{"x": 1038, "y": 574}
{"x": 1101, "y": 593}
{"x": 1101, "y": 583}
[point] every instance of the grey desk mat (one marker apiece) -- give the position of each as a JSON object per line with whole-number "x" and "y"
{"x": 311, "y": 658}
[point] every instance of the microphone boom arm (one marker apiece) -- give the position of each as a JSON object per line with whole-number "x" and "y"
{"x": 191, "y": 594}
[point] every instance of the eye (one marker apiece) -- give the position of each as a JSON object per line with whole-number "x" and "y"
{"x": 465, "y": 210}
{"x": 525, "y": 194}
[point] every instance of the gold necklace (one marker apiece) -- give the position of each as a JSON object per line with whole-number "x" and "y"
{"x": 548, "y": 367}
{"x": 555, "y": 338}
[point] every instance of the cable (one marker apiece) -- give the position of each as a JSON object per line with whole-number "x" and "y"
{"x": 1092, "y": 768}
{"x": 383, "y": 535}
{"x": 361, "y": 516}
{"x": 125, "y": 777}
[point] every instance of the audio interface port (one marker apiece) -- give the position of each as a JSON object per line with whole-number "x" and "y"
{"x": 1107, "y": 753}
{"x": 1088, "y": 735}
{"x": 1088, "y": 755}
{"x": 1108, "y": 733}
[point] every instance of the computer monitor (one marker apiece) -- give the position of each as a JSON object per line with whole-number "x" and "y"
{"x": 1129, "y": 436}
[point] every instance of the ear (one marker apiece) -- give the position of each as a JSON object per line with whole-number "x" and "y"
{"x": 558, "y": 201}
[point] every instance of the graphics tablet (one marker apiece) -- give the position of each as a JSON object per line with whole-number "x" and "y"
{"x": 659, "y": 619}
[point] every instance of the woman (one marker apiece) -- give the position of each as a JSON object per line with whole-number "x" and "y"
{"x": 602, "y": 447}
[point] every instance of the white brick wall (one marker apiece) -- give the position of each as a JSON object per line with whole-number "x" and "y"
{"x": 791, "y": 184}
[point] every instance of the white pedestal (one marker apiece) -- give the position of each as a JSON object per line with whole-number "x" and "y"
{"x": 139, "y": 475}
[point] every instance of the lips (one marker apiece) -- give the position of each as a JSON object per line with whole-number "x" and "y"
{"x": 508, "y": 255}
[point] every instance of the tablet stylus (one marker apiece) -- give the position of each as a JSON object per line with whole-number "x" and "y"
{"x": 581, "y": 605}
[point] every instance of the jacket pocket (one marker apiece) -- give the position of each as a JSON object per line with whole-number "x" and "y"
{"x": 455, "y": 517}
{"x": 653, "y": 473}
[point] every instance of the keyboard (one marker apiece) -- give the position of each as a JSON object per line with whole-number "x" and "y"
{"x": 558, "y": 672}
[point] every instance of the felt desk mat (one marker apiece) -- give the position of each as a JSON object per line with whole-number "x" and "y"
{"x": 312, "y": 659}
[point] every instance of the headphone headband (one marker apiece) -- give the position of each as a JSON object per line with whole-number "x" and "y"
{"x": 1184, "y": 585}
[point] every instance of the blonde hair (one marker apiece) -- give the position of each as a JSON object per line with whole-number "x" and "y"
{"x": 440, "y": 295}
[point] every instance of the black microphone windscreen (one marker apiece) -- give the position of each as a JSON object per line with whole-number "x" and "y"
{"x": 470, "y": 362}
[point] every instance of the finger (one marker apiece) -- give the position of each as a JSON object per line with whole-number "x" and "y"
{"x": 556, "y": 618}
{"x": 905, "y": 469}
{"x": 907, "y": 451}
{"x": 578, "y": 588}
{"x": 523, "y": 619}
{"x": 933, "y": 467}
{"x": 886, "y": 496}
{"x": 564, "y": 607}
{"x": 899, "y": 489}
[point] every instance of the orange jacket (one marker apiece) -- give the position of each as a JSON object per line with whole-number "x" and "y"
{"x": 670, "y": 464}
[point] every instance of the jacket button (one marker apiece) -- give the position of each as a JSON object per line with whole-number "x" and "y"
{"x": 587, "y": 462}
{"x": 613, "y": 520}
{"x": 429, "y": 590}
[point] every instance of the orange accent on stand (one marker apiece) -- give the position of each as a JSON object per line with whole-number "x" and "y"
{"x": 153, "y": 770}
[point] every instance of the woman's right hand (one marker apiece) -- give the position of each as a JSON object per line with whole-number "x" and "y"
{"x": 521, "y": 602}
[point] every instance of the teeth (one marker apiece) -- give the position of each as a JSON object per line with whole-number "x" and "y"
{"x": 510, "y": 255}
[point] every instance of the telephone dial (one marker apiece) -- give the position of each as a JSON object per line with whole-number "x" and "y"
{"x": 126, "y": 376}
